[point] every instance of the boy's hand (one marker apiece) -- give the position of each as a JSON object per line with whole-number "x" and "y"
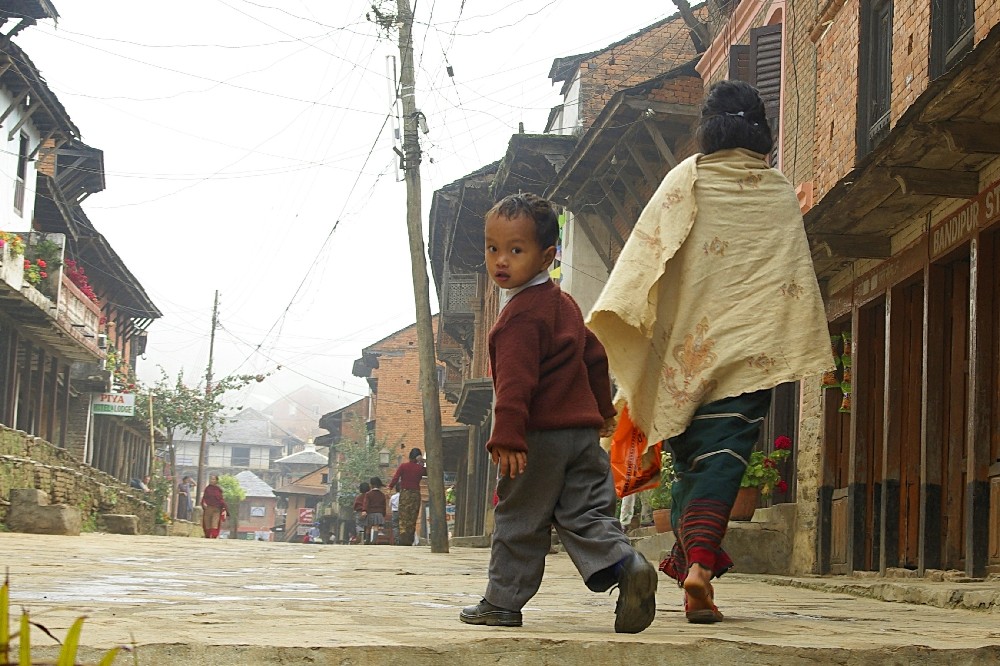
{"x": 511, "y": 462}
{"x": 609, "y": 426}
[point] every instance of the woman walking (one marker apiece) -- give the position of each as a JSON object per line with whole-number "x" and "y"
{"x": 214, "y": 505}
{"x": 713, "y": 302}
{"x": 408, "y": 477}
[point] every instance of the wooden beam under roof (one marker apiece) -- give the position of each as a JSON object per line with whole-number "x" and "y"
{"x": 647, "y": 170}
{"x": 936, "y": 182}
{"x": 665, "y": 108}
{"x": 15, "y": 102}
{"x": 661, "y": 143}
{"x": 618, "y": 206}
{"x": 969, "y": 137}
{"x": 851, "y": 246}
{"x": 585, "y": 223}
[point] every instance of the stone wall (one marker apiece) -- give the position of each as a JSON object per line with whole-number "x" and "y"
{"x": 30, "y": 462}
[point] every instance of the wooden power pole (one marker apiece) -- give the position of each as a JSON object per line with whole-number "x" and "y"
{"x": 418, "y": 261}
{"x": 202, "y": 452}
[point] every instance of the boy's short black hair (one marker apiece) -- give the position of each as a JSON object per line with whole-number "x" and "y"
{"x": 733, "y": 116}
{"x": 364, "y": 487}
{"x": 534, "y": 207}
{"x": 375, "y": 482}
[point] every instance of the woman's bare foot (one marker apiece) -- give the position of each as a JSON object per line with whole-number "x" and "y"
{"x": 698, "y": 587}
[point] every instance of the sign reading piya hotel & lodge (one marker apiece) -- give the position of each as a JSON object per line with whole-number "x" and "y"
{"x": 115, "y": 404}
{"x": 957, "y": 227}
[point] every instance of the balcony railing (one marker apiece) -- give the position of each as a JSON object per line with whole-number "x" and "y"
{"x": 11, "y": 268}
{"x": 78, "y": 313}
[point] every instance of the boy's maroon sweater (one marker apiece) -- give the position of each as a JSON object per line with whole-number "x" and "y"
{"x": 549, "y": 371}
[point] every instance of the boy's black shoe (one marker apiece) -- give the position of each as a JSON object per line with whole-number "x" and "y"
{"x": 492, "y": 616}
{"x": 636, "y": 595}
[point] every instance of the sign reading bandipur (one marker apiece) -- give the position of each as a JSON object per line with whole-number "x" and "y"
{"x": 116, "y": 404}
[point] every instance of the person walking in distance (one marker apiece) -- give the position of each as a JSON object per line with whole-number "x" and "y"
{"x": 214, "y": 508}
{"x": 553, "y": 399}
{"x": 373, "y": 510}
{"x": 408, "y": 476}
{"x": 359, "y": 506}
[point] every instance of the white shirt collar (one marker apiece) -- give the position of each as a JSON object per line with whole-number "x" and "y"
{"x": 507, "y": 294}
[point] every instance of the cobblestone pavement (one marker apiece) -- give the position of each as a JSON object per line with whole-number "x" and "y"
{"x": 199, "y": 601}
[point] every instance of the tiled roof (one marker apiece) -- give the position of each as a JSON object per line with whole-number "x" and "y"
{"x": 248, "y": 428}
{"x": 253, "y": 485}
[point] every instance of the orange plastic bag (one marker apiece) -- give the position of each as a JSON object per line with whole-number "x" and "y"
{"x": 635, "y": 466}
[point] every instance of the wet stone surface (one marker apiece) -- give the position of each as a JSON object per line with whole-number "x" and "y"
{"x": 249, "y": 602}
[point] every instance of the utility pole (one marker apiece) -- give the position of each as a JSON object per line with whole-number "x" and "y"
{"x": 208, "y": 392}
{"x": 418, "y": 261}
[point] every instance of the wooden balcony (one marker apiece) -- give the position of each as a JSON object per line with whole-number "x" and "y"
{"x": 69, "y": 326}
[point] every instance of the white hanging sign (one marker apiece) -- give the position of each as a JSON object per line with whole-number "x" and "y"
{"x": 115, "y": 404}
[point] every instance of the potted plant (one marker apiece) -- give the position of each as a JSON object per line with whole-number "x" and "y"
{"x": 761, "y": 478}
{"x": 660, "y": 499}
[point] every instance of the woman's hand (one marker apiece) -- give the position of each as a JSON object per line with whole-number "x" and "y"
{"x": 511, "y": 462}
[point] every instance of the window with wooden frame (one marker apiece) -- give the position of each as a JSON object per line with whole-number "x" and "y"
{"x": 952, "y": 23}
{"x": 22, "y": 174}
{"x": 739, "y": 63}
{"x": 765, "y": 75}
{"x": 874, "y": 74}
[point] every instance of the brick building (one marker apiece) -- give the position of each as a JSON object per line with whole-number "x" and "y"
{"x": 392, "y": 368}
{"x": 903, "y": 223}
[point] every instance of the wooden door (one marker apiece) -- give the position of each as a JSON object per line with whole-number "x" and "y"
{"x": 953, "y": 411}
{"x": 869, "y": 391}
{"x": 902, "y": 438}
{"x": 991, "y": 267}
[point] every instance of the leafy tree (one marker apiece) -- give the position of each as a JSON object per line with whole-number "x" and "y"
{"x": 179, "y": 406}
{"x": 360, "y": 463}
{"x": 233, "y": 494}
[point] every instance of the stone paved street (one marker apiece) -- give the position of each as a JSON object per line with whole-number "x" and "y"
{"x": 196, "y": 601}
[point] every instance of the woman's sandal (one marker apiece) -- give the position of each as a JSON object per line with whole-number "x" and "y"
{"x": 704, "y": 595}
{"x": 702, "y": 615}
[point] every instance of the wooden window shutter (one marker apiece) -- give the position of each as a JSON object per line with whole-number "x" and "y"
{"x": 739, "y": 63}
{"x": 765, "y": 74}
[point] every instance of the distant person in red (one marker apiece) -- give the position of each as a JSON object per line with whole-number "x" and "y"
{"x": 214, "y": 506}
{"x": 359, "y": 505}
{"x": 373, "y": 510}
{"x": 408, "y": 477}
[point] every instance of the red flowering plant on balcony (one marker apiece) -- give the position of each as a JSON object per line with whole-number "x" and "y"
{"x": 78, "y": 277}
{"x": 42, "y": 259}
{"x": 34, "y": 271}
{"x": 763, "y": 472}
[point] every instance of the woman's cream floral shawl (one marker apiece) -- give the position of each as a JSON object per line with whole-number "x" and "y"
{"x": 713, "y": 295}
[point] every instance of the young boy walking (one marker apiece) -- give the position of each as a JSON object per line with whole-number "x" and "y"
{"x": 553, "y": 398}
